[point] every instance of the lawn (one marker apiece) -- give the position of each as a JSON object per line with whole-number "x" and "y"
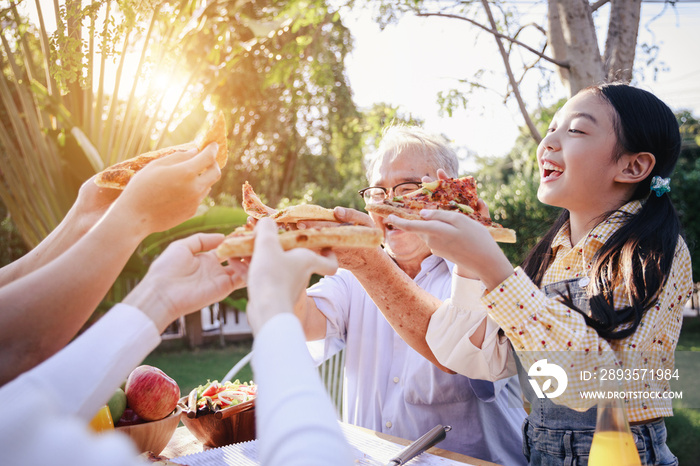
{"x": 191, "y": 368}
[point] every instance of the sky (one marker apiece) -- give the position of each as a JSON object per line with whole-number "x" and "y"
{"x": 409, "y": 63}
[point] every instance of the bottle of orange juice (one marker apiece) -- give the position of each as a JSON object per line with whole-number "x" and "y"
{"x": 613, "y": 442}
{"x": 102, "y": 420}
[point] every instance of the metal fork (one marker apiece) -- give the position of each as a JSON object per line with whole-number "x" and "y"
{"x": 427, "y": 440}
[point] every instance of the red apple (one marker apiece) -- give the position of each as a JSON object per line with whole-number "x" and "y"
{"x": 151, "y": 393}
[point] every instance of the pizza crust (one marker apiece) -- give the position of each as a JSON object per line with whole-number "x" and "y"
{"x": 242, "y": 244}
{"x": 117, "y": 176}
{"x": 217, "y": 134}
{"x": 500, "y": 234}
{"x": 155, "y": 459}
{"x": 301, "y": 212}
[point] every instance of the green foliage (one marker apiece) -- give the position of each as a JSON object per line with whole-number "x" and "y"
{"x": 685, "y": 185}
{"x": 294, "y": 126}
{"x": 11, "y": 245}
{"x": 215, "y": 219}
{"x": 683, "y": 432}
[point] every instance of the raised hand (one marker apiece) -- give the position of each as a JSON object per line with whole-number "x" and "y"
{"x": 461, "y": 240}
{"x": 186, "y": 277}
{"x": 276, "y": 278}
{"x": 169, "y": 190}
{"x": 348, "y": 258}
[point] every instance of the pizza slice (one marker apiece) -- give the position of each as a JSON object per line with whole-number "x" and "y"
{"x": 457, "y": 194}
{"x": 254, "y": 207}
{"x": 118, "y": 175}
{"x": 241, "y": 242}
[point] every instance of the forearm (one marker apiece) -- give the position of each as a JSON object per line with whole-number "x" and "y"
{"x": 57, "y": 299}
{"x": 465, "y": 339}
{"x": 119, "y": 342}
{"x": 405, "y": 305}
{"x": 58, "y": 241}
{"x": 313, "y": 321}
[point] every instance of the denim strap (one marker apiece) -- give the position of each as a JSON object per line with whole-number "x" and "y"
{"x": 655, "y": 442}
{"x": 526, "y": 442}
{"x": 568, "y": 448}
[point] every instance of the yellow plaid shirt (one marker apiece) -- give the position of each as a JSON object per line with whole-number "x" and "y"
{"x": 540, "y": 327}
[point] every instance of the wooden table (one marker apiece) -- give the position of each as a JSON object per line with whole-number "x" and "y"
{"x": 184, "y": 443}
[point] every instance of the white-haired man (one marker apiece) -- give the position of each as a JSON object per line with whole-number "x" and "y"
{"x": 391, "y": 386}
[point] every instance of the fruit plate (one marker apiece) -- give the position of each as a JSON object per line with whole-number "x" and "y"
{"x": 153, "y": 436}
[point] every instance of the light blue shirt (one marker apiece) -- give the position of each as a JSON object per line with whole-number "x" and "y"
{"x": 391, "y": 388}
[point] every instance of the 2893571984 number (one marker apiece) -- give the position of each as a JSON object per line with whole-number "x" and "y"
{"x": 638, "y": 374}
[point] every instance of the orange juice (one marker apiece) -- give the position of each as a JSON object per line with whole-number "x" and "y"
{"x": 612, "y": 447}
{"x": 102, "y": 420}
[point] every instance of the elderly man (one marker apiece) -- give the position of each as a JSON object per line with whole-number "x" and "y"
{"x": 390, "y": 386}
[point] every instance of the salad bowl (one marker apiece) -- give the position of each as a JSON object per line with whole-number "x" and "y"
{"x": 218, "y": 424}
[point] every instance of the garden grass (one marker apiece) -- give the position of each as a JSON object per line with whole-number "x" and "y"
{"x": 684, "y": 426}
{"x": 191, "y": 368}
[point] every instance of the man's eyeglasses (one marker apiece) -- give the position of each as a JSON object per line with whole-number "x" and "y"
{"x": 380, "y": 193}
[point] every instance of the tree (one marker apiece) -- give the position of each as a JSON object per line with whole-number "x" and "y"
{"x": 293, "y": 120}
{"x": 297, "y": 135}
{"x": 275, "y": 68}
{"x": 62, "y": 120}
{"x": 565, "y": 43}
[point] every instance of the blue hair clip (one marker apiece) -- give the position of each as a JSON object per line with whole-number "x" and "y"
{"x": 660, "y": 185}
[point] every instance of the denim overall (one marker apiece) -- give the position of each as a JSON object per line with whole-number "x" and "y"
{"x": 554, "y": 435}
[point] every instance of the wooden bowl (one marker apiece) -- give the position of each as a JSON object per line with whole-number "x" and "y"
{"x": 230, "y": 425}
{"x": 153, "y": 436}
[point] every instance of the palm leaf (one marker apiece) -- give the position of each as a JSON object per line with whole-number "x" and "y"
{"x": 217, "y": 219}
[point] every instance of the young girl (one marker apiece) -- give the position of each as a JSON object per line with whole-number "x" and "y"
{"x": 605, "y": 286}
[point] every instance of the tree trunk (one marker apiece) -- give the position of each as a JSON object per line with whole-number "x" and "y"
{"x": 555, "y": 38}
{"x": 577, "y": 32}
{"x": 621, "y": 42}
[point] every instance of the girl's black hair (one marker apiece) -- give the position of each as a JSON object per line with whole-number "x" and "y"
{"x": 640, "y": 253}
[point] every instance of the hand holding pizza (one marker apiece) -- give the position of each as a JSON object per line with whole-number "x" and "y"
{"x": 186, "y": 277}
{"x": 168, "y": 190}
{"x": 276, "y": 278}
{"x": 348, "y": 258}
{"x": 461, "y": 240}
